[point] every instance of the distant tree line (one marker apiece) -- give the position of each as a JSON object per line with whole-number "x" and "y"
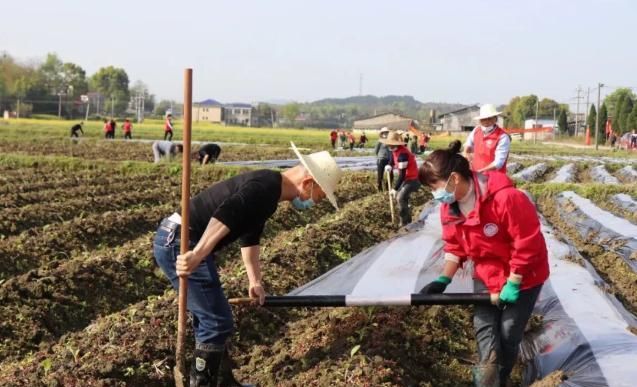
{"x": 54, "y": 87}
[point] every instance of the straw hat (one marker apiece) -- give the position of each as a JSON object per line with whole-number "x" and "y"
{"x": 323, "y": 168}
{"x": 487, "y": 111}
{"x": 393, "y": 138}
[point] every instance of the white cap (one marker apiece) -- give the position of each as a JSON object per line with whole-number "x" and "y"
{"x": 323, "y": 169}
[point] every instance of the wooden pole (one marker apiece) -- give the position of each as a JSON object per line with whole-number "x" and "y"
{"x": 391, "y": 200}
{"x": 180, "y": 359}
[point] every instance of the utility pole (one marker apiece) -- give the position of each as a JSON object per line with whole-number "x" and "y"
{"x": 59, "y": 104}
{"x": 588, "y": 96}
{"x": 554, "y": 122}
{"x": 360, "y": 84}
{"x": 579, "y": 90}
{"x": 535, "y": 125}
{"x": 112, "y": 107}
{"x": 599, "y": 92}
{"x": 18, "y": 112}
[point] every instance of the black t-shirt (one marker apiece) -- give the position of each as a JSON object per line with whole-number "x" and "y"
{"x": 212, "y": 150}
{"x": 243, "y": 203}
{"x": 76, "y": 127}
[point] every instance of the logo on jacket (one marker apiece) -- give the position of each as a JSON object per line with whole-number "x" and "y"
{"x": 490, "y": 229}
{"x": 489, "y": 143}
{"x": 200, "y": 364}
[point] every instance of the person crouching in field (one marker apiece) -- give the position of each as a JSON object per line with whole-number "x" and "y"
{"x": 207, "y": 154}
{"x": 234, "y": 209}
{"x": 77, "y": 128}
{"x": 127, "y": 128}
{"x": 165, "y": 149}
{"x": 486, "y": 219}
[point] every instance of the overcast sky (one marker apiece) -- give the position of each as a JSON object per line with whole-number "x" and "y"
{"x": 447, "y": 51}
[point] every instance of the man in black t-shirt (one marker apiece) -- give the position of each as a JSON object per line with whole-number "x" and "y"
{"x": 234, "y": 209}
{"x": 208, "y": 153}
{"x": 77, "y": 128}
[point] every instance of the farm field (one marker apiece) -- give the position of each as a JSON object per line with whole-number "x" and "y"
{"x": 82, "y": 303}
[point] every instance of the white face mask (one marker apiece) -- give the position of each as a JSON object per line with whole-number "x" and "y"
{"x": 487, "y": 129}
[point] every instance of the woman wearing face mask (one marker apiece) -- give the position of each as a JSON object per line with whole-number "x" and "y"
{"x": 488, "y": 145}
{"x": 486, "y": 219}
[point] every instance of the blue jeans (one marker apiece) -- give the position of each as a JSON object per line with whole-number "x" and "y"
{"x": 211, "y": 315}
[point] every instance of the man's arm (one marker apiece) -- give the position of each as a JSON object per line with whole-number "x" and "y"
{"x": 251, "y": 261}
{"x": 205, "y": 159}
{"x": 215, "y": 231}
{"x": 468, "y": 145}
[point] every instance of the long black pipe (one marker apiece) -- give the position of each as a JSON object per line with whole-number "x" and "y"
{"x": 343, "y": 301}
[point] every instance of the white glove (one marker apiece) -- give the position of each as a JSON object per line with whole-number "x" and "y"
{"x": 392, "y": 193}
{"x": 388, "y": 168}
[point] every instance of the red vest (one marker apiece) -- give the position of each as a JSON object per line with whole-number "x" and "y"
{"x": 127, "y": 127}
{"x": 484, "y": 148}
{"x": 412, "y": 166}
{"x": 168, "y": 126}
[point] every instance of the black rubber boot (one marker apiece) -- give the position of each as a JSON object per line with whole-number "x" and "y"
{"x": 205, "y": 368}
{"x": 226, "y": 377}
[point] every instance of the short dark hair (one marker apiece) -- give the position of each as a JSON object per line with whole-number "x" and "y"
{"x": 442, "y": 163}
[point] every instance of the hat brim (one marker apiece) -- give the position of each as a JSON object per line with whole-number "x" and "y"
{"x": 387, "y": 141}
{"x": 312, "y": 169}
{"x": 489, "y": 116}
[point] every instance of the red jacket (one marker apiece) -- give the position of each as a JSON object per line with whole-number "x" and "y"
{"x": 484, "y": 148}
{"x": 403, "y": 158}
{"x": 333, "y": 135}
{"x": 168, "y": 126}
{"x": 501, "y": 235}
{"x": 127, "y": 127}
{"x": 107, "y": 127}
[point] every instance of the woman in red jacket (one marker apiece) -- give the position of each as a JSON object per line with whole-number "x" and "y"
{"x": 486, "y": 219}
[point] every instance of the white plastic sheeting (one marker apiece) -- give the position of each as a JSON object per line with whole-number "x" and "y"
{"x": 532, "y": 173}
{"x": 574, "y": 158}
{"x": 625, "y": 201}
{"x": 566, "y": 174}
{"x": 599, "y": 174}
{"x": 359, "y": 163}
{"x": 628, "y": 173}
{"x": 599, "y": 226}
{"x": 513, "y": 167}
{"x": 584, "y": 330}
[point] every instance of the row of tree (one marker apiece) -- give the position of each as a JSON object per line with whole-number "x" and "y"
{"x": 55, "y": 87}
{"x": 620, "y": 108}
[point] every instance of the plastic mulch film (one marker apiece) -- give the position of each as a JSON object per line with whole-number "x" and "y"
{"x": 583, "y": 330}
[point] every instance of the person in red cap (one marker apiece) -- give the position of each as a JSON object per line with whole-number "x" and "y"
{"x": 486, "y": 219}
{"x": 487, "y": 146}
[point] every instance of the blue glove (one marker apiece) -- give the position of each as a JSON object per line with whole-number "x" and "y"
{"x": 510, "y": 292}
{"x": 436, "y": 287}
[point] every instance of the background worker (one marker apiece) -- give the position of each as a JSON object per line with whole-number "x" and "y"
{"x": 127, "y": 128}
{"x": 487, "y": 146}
{"x": 168, "y": 127}
{"x": 113, "y": 127}
{"x": 333, "y": 138}
{"x": 165, "y": 149}
{"x": 351, "y": 140}
{"x": 343, "y": 138}
{"x": 633, "y": 140}
{"x": 362, "y": 140}
{"x": 486, "y": 218}
{"x": 108, "y": 129}
{"x": 407, "y": 182}
{"x": 77, "y": 128}
{"x": 235, "y": 209}
{"x": 383, "y": 155}
{"x": 208, "y": 154}
{"x": 423, "y": 141}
